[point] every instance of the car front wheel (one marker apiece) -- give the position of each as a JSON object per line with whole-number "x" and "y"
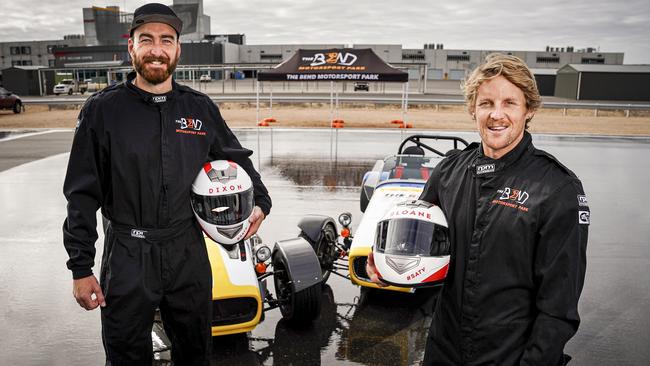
{"x": 296, "y": 307}
{"x": 18, "y": 107}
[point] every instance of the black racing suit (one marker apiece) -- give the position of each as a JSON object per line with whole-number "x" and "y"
{"x": 135, "y": 156}
{"x": 518, "y": 227}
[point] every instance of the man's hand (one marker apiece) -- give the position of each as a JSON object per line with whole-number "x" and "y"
{"x": 256, "y": 220}
{"x": 372, "y": 271}
{"x": 83, "y": 290}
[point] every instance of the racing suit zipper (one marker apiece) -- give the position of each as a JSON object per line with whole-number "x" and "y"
{"x": 163, "y": 215}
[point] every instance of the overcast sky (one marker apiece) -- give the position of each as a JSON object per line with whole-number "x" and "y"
{"x": 612, "y": 26}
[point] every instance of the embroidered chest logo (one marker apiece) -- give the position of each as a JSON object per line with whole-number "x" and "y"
{"x": 485, "y": 168}
{"x": 190, "y": 126}
{"x": 513, "y": 198}
{"x": 582, "y": 200}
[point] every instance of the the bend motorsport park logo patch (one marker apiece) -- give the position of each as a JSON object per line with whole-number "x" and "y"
{"x": 190, "y": 126}
{"x": 513, "y": 198}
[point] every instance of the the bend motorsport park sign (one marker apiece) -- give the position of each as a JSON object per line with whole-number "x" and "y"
{"x": 341, "y": 64}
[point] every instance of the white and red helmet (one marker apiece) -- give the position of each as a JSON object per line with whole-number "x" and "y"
{"x": 222, "y": 200}
{"x": 412, "y": 247}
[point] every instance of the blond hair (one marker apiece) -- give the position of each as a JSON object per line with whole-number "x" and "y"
{"x": 513, "y": 69}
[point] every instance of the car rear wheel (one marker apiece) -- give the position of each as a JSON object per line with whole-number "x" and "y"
{"x": 296, "y": 307}
{"x": 69, "y": 91}
{"x": 18, "y": 107}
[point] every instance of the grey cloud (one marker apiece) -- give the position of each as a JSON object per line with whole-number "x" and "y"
{"x": 522, "y": 25}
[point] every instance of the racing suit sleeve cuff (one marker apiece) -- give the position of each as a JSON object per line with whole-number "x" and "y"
{"x": 81, "y": 273}
{"x": 266, "y": 208}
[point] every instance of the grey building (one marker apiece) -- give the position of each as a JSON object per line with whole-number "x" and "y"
{"x": 439, "y": 63}
{"x": 106, "y": 25}
{"x": 545, "y": 79}
{"x": 34, "y": 53}
{"x": 110, "y": 26}
{"x": 24, "y": 80}
{"x": 603, "y": 82}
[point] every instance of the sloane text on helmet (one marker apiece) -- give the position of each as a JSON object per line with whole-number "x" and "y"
{"x": 411, "y": 213}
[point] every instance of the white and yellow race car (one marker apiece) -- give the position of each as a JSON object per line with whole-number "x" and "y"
{"x": 239, "y": 272}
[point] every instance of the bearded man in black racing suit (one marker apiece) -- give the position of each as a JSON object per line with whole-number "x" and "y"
{"x": 137, "y": 148}
{"x": 518, "y": 222}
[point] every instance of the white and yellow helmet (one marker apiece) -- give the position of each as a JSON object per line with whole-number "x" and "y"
{"x": 222, "y": 201}
{"x": 412, "y": 247}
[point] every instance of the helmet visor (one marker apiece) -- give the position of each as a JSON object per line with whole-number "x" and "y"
{"x": 412, "y": 237}
{"x": 223, "y": 210}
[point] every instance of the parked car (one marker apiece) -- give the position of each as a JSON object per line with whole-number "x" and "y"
{"x": 9, "y": 100}
{"x": 94, "y": 84}
{"x": 69, "y": 86}
{"x": 361, "y": 85}
{"x": 205, "y": 78}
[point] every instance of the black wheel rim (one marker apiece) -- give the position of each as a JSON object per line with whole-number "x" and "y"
{"x": 326, "y": 254}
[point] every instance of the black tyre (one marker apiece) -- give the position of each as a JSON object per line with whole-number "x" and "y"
{"x": 296, "y": 307}
{"x": 18, "y": 107}
{"x": 69, "y": 91}
{"x": 363, "y": 201}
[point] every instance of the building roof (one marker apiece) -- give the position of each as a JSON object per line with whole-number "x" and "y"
{"x": 93, "y": 64}
{"x": 609, "y": 68}
{"x": 35, "y": 67}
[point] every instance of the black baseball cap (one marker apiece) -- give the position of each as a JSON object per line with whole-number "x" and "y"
{"x": 156, "y": 13}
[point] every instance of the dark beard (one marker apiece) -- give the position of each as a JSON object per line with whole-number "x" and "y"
{"x": 154, "y": 77}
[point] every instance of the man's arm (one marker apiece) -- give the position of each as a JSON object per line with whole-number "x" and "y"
{"x": 227, "y": 146}
{"x": 430, "y": 191}
{"x": 560, "y": 264}
{"x": 82, "y": 189}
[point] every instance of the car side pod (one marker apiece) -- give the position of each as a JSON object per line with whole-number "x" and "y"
{"x": 297, "y": 278}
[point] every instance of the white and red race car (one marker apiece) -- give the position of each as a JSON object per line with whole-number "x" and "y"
{"x": 396, "y": 178}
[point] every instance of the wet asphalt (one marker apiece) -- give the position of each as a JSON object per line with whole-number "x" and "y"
{"x": 41, "y": 324}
